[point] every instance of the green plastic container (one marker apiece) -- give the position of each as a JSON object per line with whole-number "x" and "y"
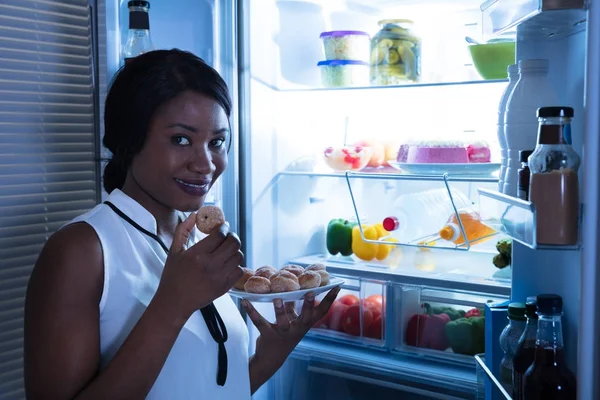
{"x": 492, "y": 59}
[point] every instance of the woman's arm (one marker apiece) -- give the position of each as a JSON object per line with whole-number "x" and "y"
{"x": 260, "y": 373}
{"x": 62, "y": 327}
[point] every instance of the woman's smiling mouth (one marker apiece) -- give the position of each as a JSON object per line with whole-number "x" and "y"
{"x": 194, "y": 188}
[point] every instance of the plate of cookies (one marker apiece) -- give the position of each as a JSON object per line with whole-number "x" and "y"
{"x": 289, "y": 283}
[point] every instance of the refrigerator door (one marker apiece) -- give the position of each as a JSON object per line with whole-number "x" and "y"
{"x": 588, "y": 372}
{"x": 206, "y": 28}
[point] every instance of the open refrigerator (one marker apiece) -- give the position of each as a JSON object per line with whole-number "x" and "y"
{"x": 279, "y": 195}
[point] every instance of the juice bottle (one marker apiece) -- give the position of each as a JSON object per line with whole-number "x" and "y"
{"x": 525, "y": 349}
{"x": 548, "y": 377}
{"x": 471, "y": 222}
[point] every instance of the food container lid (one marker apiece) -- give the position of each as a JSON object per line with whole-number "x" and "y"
{"x": 395, "y": 21}
{"x": 336, "y": 63}
{"x": 550, "y": 112}
{"x": 549, "y": 304}
{"x": 135, "y": 3}
{"x": 524, "y": 155}
{"x": 343, "y": 33}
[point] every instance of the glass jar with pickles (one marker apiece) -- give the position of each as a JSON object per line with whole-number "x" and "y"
{"x": 395, "y": 53}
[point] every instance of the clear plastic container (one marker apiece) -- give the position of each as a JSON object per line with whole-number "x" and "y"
{"x": 395, "y": 53}
{"x": 346, "y": 45}
{"x": 344, "y": 73}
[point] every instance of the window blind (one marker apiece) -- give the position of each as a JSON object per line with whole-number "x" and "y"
{"x": 47, "y": 148}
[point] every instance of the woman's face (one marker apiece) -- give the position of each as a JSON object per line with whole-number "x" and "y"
{"x": 184, "y": 153}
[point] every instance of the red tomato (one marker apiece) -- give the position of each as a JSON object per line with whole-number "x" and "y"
{"x": 375, "y": 330}
{"x": 373, "y": 305}
{"x": 335, "y": 315}
{"x": 376, "y": 298}
{"x": 350, "y": 323}
{"x": 349, "y": 300}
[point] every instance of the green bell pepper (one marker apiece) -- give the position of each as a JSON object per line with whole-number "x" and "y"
{"x": 451, "y": 312}
{"x": 467, "y": 335}
{"x": 339, "y": 237}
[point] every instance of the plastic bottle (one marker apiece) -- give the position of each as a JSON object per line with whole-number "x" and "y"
{"x": 513, "y": 77}
{"x": 525, "y": 352}
{"x": 509, "y": 340}
{"x": 417, "y": 215}
{"x": 532, "y": 91}
{"x": 471, "y": 222}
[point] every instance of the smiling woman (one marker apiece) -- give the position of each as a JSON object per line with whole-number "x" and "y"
{"x": 131, "y": 297}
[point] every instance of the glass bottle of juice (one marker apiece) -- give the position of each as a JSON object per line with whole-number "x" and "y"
{"x": 525, "y": 348}
{"x": 548, "y": 377}
{"x": 554, "y": 185}
{"x": 509, "y": 338}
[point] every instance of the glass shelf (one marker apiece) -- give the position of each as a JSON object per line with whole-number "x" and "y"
{"x": 488, "y": 386}
{"x": 298, "y": 88}
{"x": 541, "y": 18}
{"x": 513, "y": 216}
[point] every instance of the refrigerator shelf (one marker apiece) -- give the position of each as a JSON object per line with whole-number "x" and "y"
{"x": 513, "y": 216}
{"x": 535, "y": 18}
{"x": 488, "y": 386}
{"x": 299, "y": 88}
{"x": 416, "y": 203}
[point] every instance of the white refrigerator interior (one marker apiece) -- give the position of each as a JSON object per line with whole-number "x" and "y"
{"x": 280, "y": 194}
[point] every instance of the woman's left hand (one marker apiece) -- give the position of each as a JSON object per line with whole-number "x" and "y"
{"x": 276, "y": 341}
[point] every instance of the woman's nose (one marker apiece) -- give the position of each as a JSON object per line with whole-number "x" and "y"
{"x": 201, "y": 161}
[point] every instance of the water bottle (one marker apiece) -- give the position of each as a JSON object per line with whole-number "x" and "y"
{"x": 513, "y": 77}
{"x": 417, "y": 215}
{"x": 532, "y": 91}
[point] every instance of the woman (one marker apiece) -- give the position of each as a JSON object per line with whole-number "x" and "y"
{"x": 112, "y": 308}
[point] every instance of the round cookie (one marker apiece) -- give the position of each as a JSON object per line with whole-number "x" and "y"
{"x": 208, "y": 218}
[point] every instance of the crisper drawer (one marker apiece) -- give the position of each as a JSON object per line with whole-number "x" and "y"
{"x": 358, "y": 314}
{"x": 440, "y": 323}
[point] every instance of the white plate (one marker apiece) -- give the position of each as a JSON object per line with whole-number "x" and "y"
{"x": 471, "y": 169}
{"x": 285, "y": 296}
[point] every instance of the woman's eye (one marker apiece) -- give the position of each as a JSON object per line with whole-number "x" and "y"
{"x": 217, "y": 143}
{"x": 180, "y": 140}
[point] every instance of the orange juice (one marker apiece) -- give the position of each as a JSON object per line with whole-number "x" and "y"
{"x": 471, "y": 222}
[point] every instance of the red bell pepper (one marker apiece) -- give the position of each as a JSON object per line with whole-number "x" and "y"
{"x": 427, "y": 331}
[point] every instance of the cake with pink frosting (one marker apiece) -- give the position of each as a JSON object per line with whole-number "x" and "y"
{"x": 437, "y": 152}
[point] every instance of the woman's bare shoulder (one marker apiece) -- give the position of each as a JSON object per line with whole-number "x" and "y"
{"x": 73, "y": 254}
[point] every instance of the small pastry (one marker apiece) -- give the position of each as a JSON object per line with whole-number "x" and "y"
{"x": 257, "y": 284}
{"x": 316, "y": 267}
{"x": 208, "y": 218}
{"x": 266, "y": 271}
{"x": 284, "y": 281}
{"x": 324, "y": 277}
{"x": 294, "y": 269}
{"x": 247, "y": 274}
{"x": 309, "y": 280}
{"x": 285, "y": 274}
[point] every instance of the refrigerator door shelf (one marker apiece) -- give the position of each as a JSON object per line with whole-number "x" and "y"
{"x": 488, "y": 386}
{"x": 515, "y": 217}
{"x": 534, "y": 17}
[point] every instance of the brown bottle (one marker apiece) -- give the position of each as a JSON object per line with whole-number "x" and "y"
{"x": 548, "y": 377}
{"x": 554, "y": 185}
{"x": 523, "y": 175}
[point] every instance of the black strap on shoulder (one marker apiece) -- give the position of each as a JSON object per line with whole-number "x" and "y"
{"x": 211, "y": 316}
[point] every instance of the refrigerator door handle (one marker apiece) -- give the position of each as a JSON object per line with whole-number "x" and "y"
{"x": 380, "y": 383}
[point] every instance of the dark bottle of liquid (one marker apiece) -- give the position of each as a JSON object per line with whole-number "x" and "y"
{"x": 525, "y": 352}
{"x": 548, "y": 377}
{"x": 138, "y": 36}
{"x": 523, "y": 175}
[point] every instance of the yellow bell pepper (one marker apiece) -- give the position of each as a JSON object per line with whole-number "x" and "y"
{"x": 383, "y": 250}
{"x": 368, "y": 251}
{"x": 361, "y": 249}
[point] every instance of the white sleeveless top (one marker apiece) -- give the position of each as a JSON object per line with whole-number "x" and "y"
{"x": 133, "y": 263}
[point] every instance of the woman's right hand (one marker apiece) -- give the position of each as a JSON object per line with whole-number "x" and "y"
{"x": 193, "y": 278}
